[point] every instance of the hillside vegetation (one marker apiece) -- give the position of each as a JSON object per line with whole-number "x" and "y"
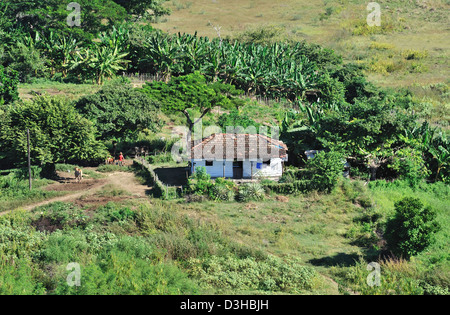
{"x": 136, "y": 72}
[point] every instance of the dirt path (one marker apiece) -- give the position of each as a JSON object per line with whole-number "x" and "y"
{"x": 125, "y": 181}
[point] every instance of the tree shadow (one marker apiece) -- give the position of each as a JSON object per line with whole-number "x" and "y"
{"x": 340, "y": 259}
{"x": 173, "y": 176}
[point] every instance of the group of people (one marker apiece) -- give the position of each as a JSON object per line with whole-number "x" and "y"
{"x": 110, "y": 160}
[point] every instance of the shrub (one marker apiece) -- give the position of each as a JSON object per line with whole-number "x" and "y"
{"x": 222, "y": 190}
{"x": 412, "y": 228}
{"x": 414, "y": 54}
{"x": 113, "y": 212}
{"x": 250, "y": 191}
{"x": 9, "y": 80}
{"x": 326, "y": 169}
{"x": 58, "y": 215}
{"x": 361, "y": 27}
{"x": 297, "y": 186}
{"x": 410, "y": 165}
{"x": 395, "y": 278}
{"x": 17, "y": 279}
{"x": 381, "y": 46}
{"x": 19, "y": 242}
{"x": 118, "y": 272}
{"x": 200, "y": 182}
{"x": 385, "y": 66}
{"x": 270, "y": 274}
{"x": 160, "y": 158}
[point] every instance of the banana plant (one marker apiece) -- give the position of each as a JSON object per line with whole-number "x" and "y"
{"x": 98, "y": 63}
{"x": 107, "y": 62}
{"x": 442, "y": 157}
{"x": 163, "y": 53}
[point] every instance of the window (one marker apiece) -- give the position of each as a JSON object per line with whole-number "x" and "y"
{"x": 267, "y": 163}
{"x": 208, "y": 163}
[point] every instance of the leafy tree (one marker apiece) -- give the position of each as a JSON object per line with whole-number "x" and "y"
{"x": 9, "y": 79}
{"x": 190, "y": 92}
{"x": 45, "y": 16}
{"x": 330, "y": 89}
{"x": 119, "y": 111}
{"x": 58, "y": 134}
{"x": 410, "y": 165}
{"x": 326, "y": 168}
{"x": 354, "y": 81}
{"x": 412, "y": 228}
{"x": 27, "y": 59}
{"x": 235, "y": 118}
{"x": 140, "y": 7}
{"x": 368, "y": 126}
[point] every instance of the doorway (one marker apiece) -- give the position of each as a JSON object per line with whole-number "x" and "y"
{"x": 238, "y": 169}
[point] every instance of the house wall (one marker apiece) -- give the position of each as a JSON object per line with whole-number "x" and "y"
{"x": 217, "y": 169}
{"x": 275, "y": 169}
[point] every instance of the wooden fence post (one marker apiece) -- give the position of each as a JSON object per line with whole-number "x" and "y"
{"x": 29, "y": 158}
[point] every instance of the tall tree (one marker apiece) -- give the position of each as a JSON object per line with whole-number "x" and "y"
{"x": 119, "y": 111}
{"x": 190, "y": 92}
{"x": 51, "y": 15}
{"x": 58, "y": 133}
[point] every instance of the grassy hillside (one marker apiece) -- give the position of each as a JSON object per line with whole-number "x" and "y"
{"x": 297, "y": 244}
{"x": 127, "y": 240}
{"x": 419, "y": 26}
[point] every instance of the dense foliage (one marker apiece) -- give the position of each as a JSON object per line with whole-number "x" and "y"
{"x": 412, "y": 229}
{"x": 58, "y": 133}
{"x": 9, "y": 80}
{"x": 119, "y": 111}
{"x": 399, "y": 162}
{"x": 326, "y": 168}
{"x": 44, "y": 16}
{"x": 190, "y": 92}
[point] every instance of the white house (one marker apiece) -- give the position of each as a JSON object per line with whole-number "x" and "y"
{"x": 239, "y": 156}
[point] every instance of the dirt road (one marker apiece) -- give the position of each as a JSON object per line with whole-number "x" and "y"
{"x": 87, "y": 189}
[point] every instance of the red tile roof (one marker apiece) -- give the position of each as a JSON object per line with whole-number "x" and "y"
{"x": 230, "y": 146}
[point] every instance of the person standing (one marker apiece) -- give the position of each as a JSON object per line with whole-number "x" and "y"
{"x": 121, "y": 159}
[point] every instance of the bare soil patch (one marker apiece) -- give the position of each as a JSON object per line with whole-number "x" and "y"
{"x": 86, "y": 193}
{"x": 85, "y": 184}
